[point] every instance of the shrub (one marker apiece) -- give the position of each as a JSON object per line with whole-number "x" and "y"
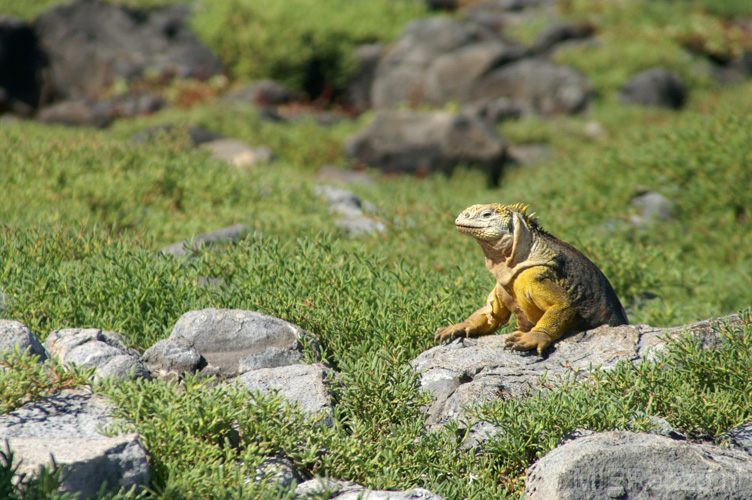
{"x": 306, "y": 44}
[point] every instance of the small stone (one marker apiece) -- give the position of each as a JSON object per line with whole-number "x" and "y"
{"x": 91, "y": 347}
{"x": 306, "y": 385}
{"x": 226, "y": 234}
{"x": 14, "y": 333}
{"x": 654, "y": 87}
{"x": 169, "y": 358}
{"x": 279, "y": 471}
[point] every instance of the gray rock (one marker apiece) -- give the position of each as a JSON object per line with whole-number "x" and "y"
{"x": 539, "y": 84}
{"x": 412, "y": 494}
{"x": 620, "y": 464}
{"x": 467, "y": 372}
{"x": 197, "y": 135}
{"x": 740, "y": 436}
{"x": 401, "y": 72}
{"x": 226, "y": 234}
{"x": 654, "y": 87}
{"x": 494, "y": 111}
{"x": 14, "y": 333}
{"x": 101, "y": 113}
{"x": 344, "y": 202}
{"x": 530, "y": 154}
{"x": 452, "y": 76}
{"x": 169, "y": 358}
{"x": 558, "y": 33}
{"x": 238, "y": 153}
{"x": 78, "y": 112}
{"x": 279, "y": 471}
{"x": 234, "y": 341}
{"x": 661, "y": 427}
{"x": 653, "y": 207}
{"x": 318, "y": 486}
{"x": 90, "y": 43}
{"x": 336, "y": 489}
{"x": 104, "y": 350}
{"x": 358, "y": 91}
{"x": 67, "y": 427}
{"x": 262, "y": 93}
{"x": 360, "y": 226}
{"x": 422, "y": 143}
{"x": 306, "y": 385}
{"x": 478, "y": 434}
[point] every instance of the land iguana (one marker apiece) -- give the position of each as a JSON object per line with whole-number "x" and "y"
{"x": 549, "y": 286}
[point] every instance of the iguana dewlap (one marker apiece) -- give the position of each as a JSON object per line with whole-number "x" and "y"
{"x": 549, "y": 286}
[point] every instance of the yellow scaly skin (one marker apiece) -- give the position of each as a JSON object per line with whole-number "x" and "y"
{"x": 549, "y": 286}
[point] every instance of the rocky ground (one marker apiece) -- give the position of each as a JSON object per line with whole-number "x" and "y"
{"x": 266, "y": 354}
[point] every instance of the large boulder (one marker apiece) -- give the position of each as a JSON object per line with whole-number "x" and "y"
{"x": 546, "y": 87}
{"x": 233, "y": 341}
{"x": 14, "y": 333}
{"x": 67, "y": 427}
{"x": 91, "y": 43}
{"x": 452, "y": 76}
{"x": 439, "y": 60}
{"x": 467, "y": 372}
{"x": 654, "y": 87}
{"x": 422, "y": 143}
{"x": 621, "y": 464}
{"x": 92, "y": 347}
{"x": 401, "y": 72}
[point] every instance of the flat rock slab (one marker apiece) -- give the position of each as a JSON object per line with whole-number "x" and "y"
{"x": 67, "y": 426}
{"x": 303, "y": 384}
{"x": 14, "y": 333}
{"x": 234, "y": 341}
{"x": 344, "y": 490}
{"x": 467, "y": 372}
{"x": 104, "y": 350}
{"x": 624, "y": 465}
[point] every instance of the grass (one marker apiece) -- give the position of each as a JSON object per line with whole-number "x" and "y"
{"x": 84, "y": 213}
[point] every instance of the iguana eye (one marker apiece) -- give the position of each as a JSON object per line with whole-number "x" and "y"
{"x": 486, "y": 214}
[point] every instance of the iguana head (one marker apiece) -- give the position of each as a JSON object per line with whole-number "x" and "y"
{"x": 506, "y": 232}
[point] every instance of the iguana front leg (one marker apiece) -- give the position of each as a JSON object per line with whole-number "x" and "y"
{"x": 485, "y": 320}
{"x": 559, "y": 316}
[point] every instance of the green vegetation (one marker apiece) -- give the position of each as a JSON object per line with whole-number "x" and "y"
{"x": 85, "y": 212}
{"x": 306, "y": 44}
{"x": 23, "y": 379}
